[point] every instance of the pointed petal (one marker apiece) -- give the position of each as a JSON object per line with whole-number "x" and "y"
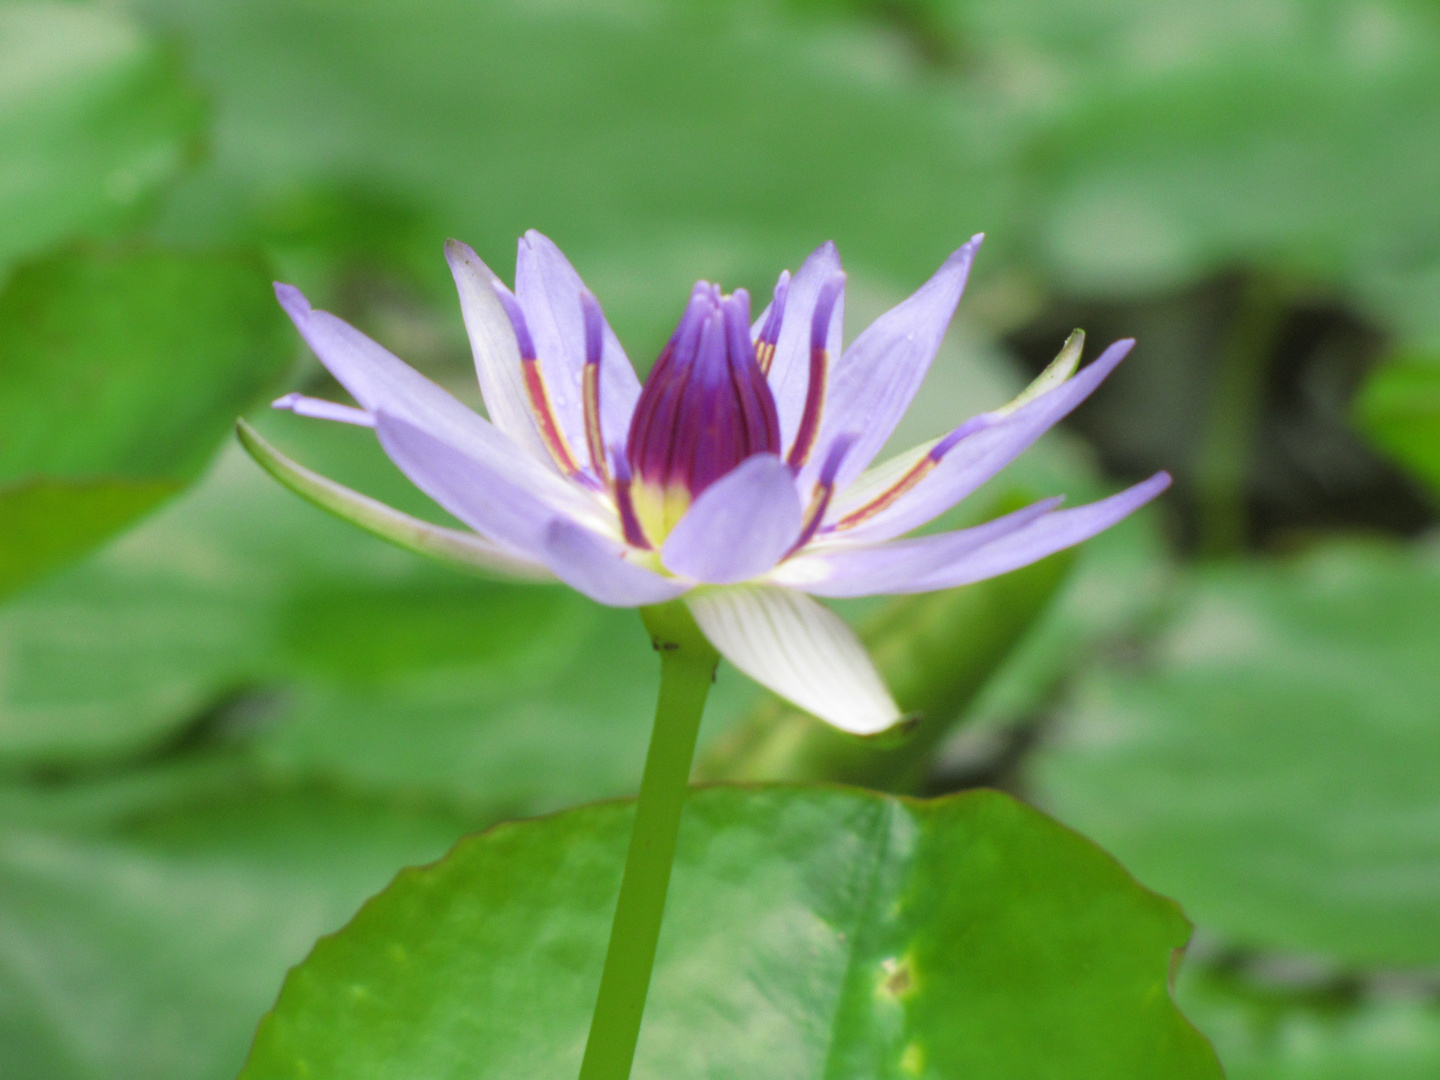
{"x": 548, "y": 289}
{"x": 319, "y": 409}
{"x": 465, "y": 551}
{"x": 485, "y": 497}
{"x": 996, "y": 440}
{"x": 492, "y": 340}
{"x": 379, "y": 380}
{"x": 790, "y": 369}
{"x": 801, "y": 650}
{"x": 876, "y": 378}
{"x": 739, "y": 527}
{"x": 875, "y": 568}
{"x": 596, "y": 567}
{"x": 928, "y": 563}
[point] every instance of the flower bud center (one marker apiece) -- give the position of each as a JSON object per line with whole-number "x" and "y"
{"x": 705, "y": 408}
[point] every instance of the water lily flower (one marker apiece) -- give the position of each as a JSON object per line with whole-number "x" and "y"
{"x": 739, "y": 476}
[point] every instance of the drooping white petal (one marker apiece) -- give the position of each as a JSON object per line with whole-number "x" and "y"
{"x": 876, "y": 378}
{"x": 798, "y": 648}
{"x": 466, "y": 551}
{"x": 597, "y": 567}
{"x": 790, "y": 370}
{"x": 492, "y": 341}
{"x": 548, "y": 288}
{"x": 739, "y": 527}
{"x": 484, "y": 497}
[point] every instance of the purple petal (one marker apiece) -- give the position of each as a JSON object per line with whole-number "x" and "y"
{"x": 798, "y": 648}
{"x": 382, "y": 382}
{"x": 492, "y": 341}
{"x": 548, "y": 289}
{"x": 319, "y": 409}
{"x": 790, "y": 369}
{"x": 597, "y": 567}
{"x": 990, "y": 445}
{"x": 487, "y": 498}
{"x": 875, "y": 379}
{"x": 927, "y": 563}
{"x": 739, "y": 527}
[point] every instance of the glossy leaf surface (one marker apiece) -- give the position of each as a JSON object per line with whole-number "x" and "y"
{"x": 819, "y": 932}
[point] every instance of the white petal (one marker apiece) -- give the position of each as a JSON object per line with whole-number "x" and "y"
{"x": 798, "y": 648}
{"x": 497, "y": 357}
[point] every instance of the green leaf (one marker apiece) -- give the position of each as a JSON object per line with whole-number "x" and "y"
{"x": 147, "y": 943}
{"x": 94, "y": 118}
{"x": 809, "y": 932}
{"x": 638, "y": 139}
{"x": 1399, "y": 409}
{"x": 1272, "y": 766}
{"x": 120, "y": 372}
{"x": 1271, "y": 1035}
{"x": 362, "y": 660}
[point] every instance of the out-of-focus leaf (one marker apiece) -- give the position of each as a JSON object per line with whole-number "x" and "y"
{"x": 120, "y": 372}
{"x": 1300, "y": 140}
{"x": 1274, "y": 767}
{"x": 94, "y": 117}
{"x": 1277, "y": 1036}
{"x": 369, "y": 662}
{"x": 657, "y": 142}
{"x": 1400, "y": 410}
{"x": 149, "y": 945}
{"x": 807, "y": 931}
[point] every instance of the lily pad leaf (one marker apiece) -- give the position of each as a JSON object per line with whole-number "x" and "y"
{"x": 809, "y": 932}
{"x": 120, "y": 372}
{"x": 94, "y": 118}
{"x": 145, "y": 940}
{"x": 1273, "y": 765}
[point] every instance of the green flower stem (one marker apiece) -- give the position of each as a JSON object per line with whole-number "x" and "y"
{"x": 687, "y": 668}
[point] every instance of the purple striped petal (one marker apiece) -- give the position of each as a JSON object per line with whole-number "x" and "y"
{"x": 597, "y": 567}
{"x": 985, "y": 445}
{"x": 928, "y": 563}
{"x": 548, "y": 289}
{"x": 790, "y": 368}
{"x": 382, "y": 382}
{"x": 486, "y": 498}
{"x": 876, "y": 378}
{"x": 870, "y": 567}
{"x": 739, "y": 527}
{"x": 492, "y": 341}
{"x": 798, "y": 648}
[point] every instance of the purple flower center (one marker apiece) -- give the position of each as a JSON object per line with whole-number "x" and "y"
{"x": 705, "y": 408}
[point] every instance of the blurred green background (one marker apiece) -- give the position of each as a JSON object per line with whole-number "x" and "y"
{"x": 226, "y": 719}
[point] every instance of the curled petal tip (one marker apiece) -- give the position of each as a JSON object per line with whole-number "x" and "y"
{"x": 286, "y": 401}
